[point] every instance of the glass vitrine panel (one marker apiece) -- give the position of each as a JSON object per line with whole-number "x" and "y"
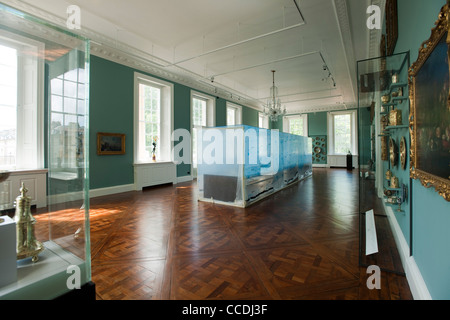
{"x": 51, "y": 120}
{"x": 384, "y": 184}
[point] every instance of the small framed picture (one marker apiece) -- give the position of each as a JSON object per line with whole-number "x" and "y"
{"x": 110, "y": 143}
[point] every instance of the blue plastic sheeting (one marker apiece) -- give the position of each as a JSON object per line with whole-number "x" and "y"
{"x": 239, "y": 165}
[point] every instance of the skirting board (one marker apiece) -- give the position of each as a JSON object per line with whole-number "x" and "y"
{"x": 416, "y": 282}
{"x": 184, "y": 179}
{"x": 74, "y": 196}
{"x": 93, "y": 193}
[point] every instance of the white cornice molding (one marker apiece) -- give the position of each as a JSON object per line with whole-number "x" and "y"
{"x": 118, "y": 52}
{"x": 313, "y": 109}
{"x": 343, "y": 20}
{"x": 110, "y": 49}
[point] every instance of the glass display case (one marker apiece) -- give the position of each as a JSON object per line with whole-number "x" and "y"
{"x": 46, "y": 100}
{"x": 384, "y": 143}
{"x": 240, "y": 165}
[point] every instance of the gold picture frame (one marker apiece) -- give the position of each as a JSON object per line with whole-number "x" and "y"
{"x": 391, "y": 26}
{"x": 110, "y": 143}
{"x": 429, "y": 117}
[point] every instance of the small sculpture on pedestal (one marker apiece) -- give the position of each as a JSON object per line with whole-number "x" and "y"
{"x": 27, "y": 244}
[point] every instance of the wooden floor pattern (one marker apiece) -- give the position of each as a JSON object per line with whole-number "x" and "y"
{"x": 301, "y": 243}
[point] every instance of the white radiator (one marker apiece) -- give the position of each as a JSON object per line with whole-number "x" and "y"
{"x": 36, "y": 183}
{"x": 152, "y": 174}
{"x": 341, "y": 161}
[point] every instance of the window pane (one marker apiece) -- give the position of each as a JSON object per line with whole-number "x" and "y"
{"x": 8, "y": 106}
{"x": 56, "y": 86}
{"x": 81, "y": 89}
{"x": 70, "y": 105}
{"x": 296, "y": 126}
{"x": 70, "y": 89}
{"x": 263, "y": 121}
{"x": 67, "y": 119}
{"x": 342, "y": 134}
{"x": 71, "y": 75}
{"x": 81, "y": 106}
{"x": 57, "y": 120}
{"x": 57, "y": 103}
{"x": 199, "y": 112}
{"x": 231, "y": 116}
{"x": 150, "y": 118}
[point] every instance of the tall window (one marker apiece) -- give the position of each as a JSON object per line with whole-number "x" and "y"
{"x": 202, "y": 115}
{"x": 21, "y": 102}
{"x": 150, "y": 121}
{"x": 263, "y": 121}
{"x": 153, "y": 119}
{"x": 234, "y": 114}
{"x": 67, "y": 123}
{"x": 198, "y": 121}
{"x": 342, "y": 132}
{"x": 297, "y": 124}
{"x": 8, "y": 106}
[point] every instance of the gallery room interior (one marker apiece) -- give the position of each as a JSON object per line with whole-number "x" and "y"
{"x": 224, "y": 150}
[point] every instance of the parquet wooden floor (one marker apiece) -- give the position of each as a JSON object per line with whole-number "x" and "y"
{"x": 301, "y": 243}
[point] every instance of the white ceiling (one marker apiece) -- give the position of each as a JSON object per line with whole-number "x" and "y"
{"x": 231, "y": 46}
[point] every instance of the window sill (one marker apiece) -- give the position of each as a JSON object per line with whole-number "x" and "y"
{"x": 14, "y": 172}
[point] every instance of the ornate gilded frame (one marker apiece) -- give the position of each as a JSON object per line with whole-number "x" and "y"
{"x": 427, "y": 179}
{"x": 391, "y": 26}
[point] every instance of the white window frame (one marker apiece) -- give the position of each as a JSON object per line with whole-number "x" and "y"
{"x": 237, "y": 115}
{"x": 287, "y": 119}
{"x": 166, "y": 126}
{"x": 30, "y": 100}
{"x": 210, "y": 120}
{"x": 353, "y": 127}
{"x": 263, "y": 120}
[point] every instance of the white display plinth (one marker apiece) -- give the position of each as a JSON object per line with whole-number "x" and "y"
{"x": 8, "y": 255}
{"x": 44, "y": 279}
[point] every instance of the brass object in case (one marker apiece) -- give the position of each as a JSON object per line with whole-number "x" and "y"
{"x": 395, "y": 117}
{"x": 388, "y": 175}
{"x": 385, "y": 99}
{"x": 395, "y": 78}
{"x": 384, "y": 122}
{"x": 27, "y": 245}
{"x": 393, "y": 152}
{"x": 384, "y": 149}
{"x": 403, "y": 154}
{"x": 394, "y": 183}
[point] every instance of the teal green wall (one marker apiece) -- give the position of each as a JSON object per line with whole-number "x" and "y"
{"x": 112, "y": 109}
{"x": 250, "y": 117}
{"x": 221, "y": 112}
{"x": 317, "y": 124}
{"x": 430, "y": 212}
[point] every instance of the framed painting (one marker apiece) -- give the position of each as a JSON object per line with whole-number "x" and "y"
{"x": 110, "y": 143}
{"x": 430, "y": 110}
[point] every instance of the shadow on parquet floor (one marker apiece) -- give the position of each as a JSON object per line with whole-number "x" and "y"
{"x": 301, "y": 243}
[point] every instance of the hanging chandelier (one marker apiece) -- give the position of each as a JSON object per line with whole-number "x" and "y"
{"x": 273, "y": 108}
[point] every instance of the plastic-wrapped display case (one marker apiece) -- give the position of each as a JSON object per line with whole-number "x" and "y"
{"x": 384, "y": 139}
{"x": 49, "y": 98}
{"x": 240, "y": 165}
